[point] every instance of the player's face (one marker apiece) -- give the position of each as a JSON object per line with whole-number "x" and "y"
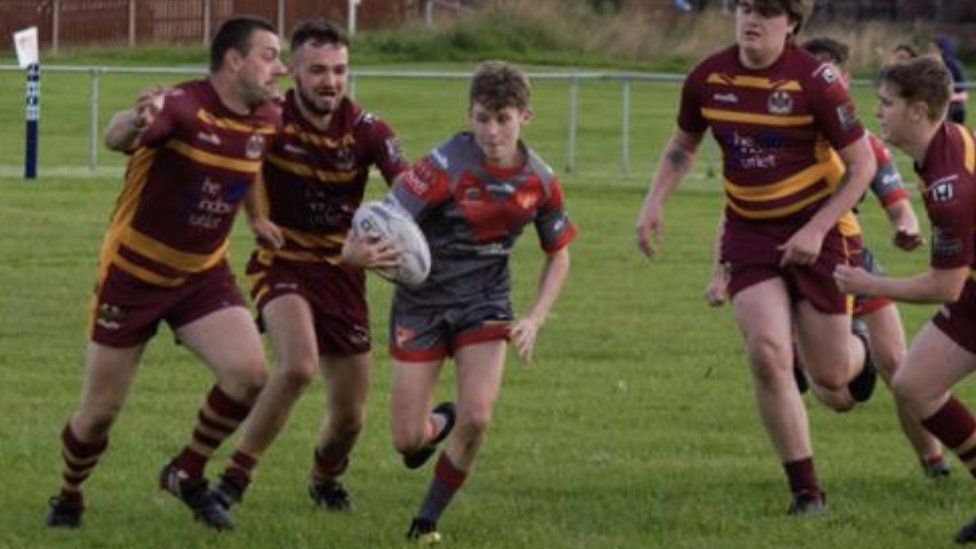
{"x": 760, "y": 31}
{"x": 321, "y": 74}
{"x": 497, "y": 132}
{"x": 893, "y": 115}
{"x": 260, "y": 68}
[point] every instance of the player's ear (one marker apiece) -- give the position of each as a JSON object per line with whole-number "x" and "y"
{"x": 233, "y": 60}
{"x": 526, "y": 114}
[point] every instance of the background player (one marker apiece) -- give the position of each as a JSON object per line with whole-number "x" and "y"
{"x": 164, "y": 258}
{"x": 912, "y": 101}
{"x": 776, "y": 111}
{"x": 313, "y": 306}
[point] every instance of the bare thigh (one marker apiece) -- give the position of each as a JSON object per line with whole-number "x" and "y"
{"x": 935, "y": 363}
{"x": 228, "y": 342}
{"x": 109, "y": 374}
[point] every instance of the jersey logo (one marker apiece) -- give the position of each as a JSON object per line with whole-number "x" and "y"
{"x": 780, "y": 102}
{"x": 726, "y": 98}
{"x": 847, "y": 116}
{"x": 945, "y": 244}
{"x": 942, "y": 190}
{"x": 209, "y": 137}
{"x": 254, "y": 147}
{"x": 826, "y": 74}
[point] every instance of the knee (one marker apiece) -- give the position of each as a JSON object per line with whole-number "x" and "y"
{"x": 247, "y": 379}
{"x": 832, "y": 379}
{"x": 904, "y": 389}
{"x": 472, "y": 424}
{"x": 770, "y": 360}
{"x": 298, "y": 374}
{"x": 408, "y": 439}
{"x": 887, "y": 360}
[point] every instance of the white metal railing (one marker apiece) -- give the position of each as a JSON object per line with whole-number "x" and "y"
{"x": 573, "y": 78}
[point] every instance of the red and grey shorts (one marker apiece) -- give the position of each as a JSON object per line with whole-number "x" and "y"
{"x": 865, "y": 305}
{"x": 126, "y": 311}
{"x": 421, "y": 334}
{"x": 335, "y": 294}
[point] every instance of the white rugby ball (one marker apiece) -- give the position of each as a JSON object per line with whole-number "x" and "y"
{"x": 388, "y": 220}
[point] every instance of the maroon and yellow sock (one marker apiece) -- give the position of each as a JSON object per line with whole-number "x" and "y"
{"x": 239, "y": 469}
{"x": 217, "y": 419}
{"x": 326, "y": 466}
{"x": 78, "y": 461}
{"x": 802, "y": 476}
{"x": 955, "y": 427}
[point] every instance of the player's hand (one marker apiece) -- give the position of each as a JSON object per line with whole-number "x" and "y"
{"x": 650, "y": 229}
{"x": 717, "y": 291}
{"x": 370, "y": 252}
{"x": 853, "y": 280}
{"x": 267, "y": 232}
{"x": 523, "y": 335}
{"x": 149, "y": 104}
{"x": 908, "y": 239}
{"x": 802, "y": 248}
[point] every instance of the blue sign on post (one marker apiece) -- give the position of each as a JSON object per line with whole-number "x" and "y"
{"x": 33, "y": 116}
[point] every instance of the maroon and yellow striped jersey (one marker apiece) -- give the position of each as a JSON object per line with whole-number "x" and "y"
{"x": 948, "y": 179}
{"x": 184, "y": 183}
{"x": 778, "y": 129}
{"x": 315, "y": 179}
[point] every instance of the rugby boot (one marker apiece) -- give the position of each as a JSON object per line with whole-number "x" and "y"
{"x": 195, "y": 493}
{"x": 423, "y": 532}
{"x": 808, "y": 504}
{"x": 936, "y": 468}
{"x": 967, "y": 534}
{"x": 330, "y": 495}
{"x": 228, "y": 491}
{"x": 862, "y": 386}
{"x": 420, "y": 457}
{"x": 63, "y": 513}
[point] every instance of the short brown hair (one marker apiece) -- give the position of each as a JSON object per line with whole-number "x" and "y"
{"x": 911, "y": 50}
{"x": 318, "y": 32}
{"x": 824, "y": 46}
{"x": 921, "y": 79}
{"x": 497, "y": 85}
{"x": 797, "y": 10}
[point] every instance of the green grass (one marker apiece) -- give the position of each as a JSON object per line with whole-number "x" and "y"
{"x": 635, "y": 427}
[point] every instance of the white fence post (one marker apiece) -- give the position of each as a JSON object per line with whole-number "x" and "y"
{"x": 132, "y": 23}
{"x": 206, "y": 22}
{"x": 55, "y": 25}
{"x": 93, "y": 121}
{"x": 625, "y": 126}
{"x": 571, "y": 135}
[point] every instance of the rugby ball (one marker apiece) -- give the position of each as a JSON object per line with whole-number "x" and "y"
{"x": 389, "y": 220}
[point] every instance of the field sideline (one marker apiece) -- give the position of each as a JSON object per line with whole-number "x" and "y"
{"x": 635, "y": 427}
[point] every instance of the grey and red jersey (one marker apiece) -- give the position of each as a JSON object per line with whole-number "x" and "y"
{"x": 315, "y": 179}
{"x": 184, "y": 184}
{"x": 472, "y": 213}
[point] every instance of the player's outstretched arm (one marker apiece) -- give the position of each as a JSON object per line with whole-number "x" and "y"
{"x": 525, "y": 329}
{"x": 903, "y": 220}
{"x": 932, "y": 286}
{"x": 676, "y": 159}
{"x": 803, "y": 247}
{"x": 125, "y": 128}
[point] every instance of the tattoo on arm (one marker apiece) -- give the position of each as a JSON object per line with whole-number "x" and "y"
{"x": 678, "y": 159}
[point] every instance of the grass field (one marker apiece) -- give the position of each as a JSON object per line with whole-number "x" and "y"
{"x": 635, "y": 427}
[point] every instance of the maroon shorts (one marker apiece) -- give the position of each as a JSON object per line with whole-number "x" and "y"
{"x": 126, "y": 311}
{"x": 958, "y": 320}
{"x": 335, "y": 294}
{"x": 424, "y": 334}
{"x": 750, "y": 250}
